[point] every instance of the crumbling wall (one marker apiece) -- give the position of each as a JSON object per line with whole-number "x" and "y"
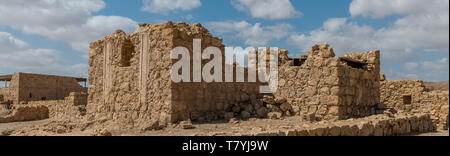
{"x": 129, "y": 77}
{"x": 377, "y": 125}
{"x": 440, "y": 117}
{"x": 10, "y": 93}
{"x": 412, "y": 96}
{"x": 26, "y": 113}
{"x": 71, "y": 108}
{"x": 3, "y": 92}
{"x": 324, "y": 87}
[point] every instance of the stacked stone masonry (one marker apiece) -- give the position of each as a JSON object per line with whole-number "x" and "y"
{"x": 376, "y": 125}
{"x": 412, "y": 96}
{"x": 130, "y": 82}
{"x": 72, "y": 108}
{"x": 25, "y": 113}
{"x": 129, "y": 79}
{"x": 25, "y": 87}
{"x": 325, "y": 87}
{"x": 370, "y": 126}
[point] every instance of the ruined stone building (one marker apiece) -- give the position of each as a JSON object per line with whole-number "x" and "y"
{"x": 325, "y": 87}
{"x": 23, "y": 87}
{"x": 412, "y": 96}
{"x": 129, "y": 78}
{"x": 130, "y": 83}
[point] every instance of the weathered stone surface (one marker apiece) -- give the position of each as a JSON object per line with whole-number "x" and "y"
{"x": 245, "y": 115}
{"x": 378, "y": 125}
{"x": 275, "y": 115}
{"x": 411, "y": 96}
{"x": 328, "y": 86}
{"x": 25, "y": 87}
{"x": 186, "y": 124}
{"x": 269, "y": 99}
{"x": 262, "y": 112}
{"x": 26, "y": 113}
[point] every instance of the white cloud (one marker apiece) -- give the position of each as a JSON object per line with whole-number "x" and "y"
{"x": 46, "y": 61}
{"x": 419, "y": 31}
{"x": 8, "y": 42}
{"x": 411, "y": 66}
{"x": 382, "y": 8}
{"x": 436, "y": 70}
{"x": 267, "y": 9}
{"x": 252, "y": 34}
{"x": 438, "y": 65}
{"x": 344, "y": 36}
{"x": 164, "y": 6}
{"x": 423, "y": 26}
{"x": 66, "y": 20}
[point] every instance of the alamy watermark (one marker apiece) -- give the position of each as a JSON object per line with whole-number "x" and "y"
{"x": 213, "y": 70}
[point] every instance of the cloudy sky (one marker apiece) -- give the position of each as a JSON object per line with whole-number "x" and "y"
{"x": 52, "y": 36}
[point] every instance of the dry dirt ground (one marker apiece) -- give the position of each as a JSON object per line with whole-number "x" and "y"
{"x": 208, "y": 129}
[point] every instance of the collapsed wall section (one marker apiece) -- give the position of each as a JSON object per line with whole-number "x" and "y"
{"x": 130, "y": 77}
{"x": 324, "y": 87}
{"x": 411, "y": 96}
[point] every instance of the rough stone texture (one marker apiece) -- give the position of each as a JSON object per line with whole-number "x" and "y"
{"x": 412, "y": 96}
{"x": 26, "y": 113}
{"x": 129, "y": 78}
{"x": 440, "y": 116}
{"x": 71, "y": 108}
{"x": 378, "y": 125}
{"x": 26, "y": 87}
{"x": 329, "y": 87}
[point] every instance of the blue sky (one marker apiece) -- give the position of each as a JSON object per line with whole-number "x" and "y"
{"x": 52, "y": 37}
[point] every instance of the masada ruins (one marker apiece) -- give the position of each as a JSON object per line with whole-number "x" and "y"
{"x": 130, "y": 92}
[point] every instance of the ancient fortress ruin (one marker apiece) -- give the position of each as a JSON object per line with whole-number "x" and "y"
{"x": 130, "y": 83}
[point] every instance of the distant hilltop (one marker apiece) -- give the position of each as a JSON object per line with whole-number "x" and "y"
{"x": 442, "y": 86}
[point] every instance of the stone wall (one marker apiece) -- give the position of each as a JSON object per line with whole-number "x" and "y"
{"x": 324, "y": 87}
{"x": 10, "y": 93}
{"x": 440, "y": 117}
{"x": 412, "y": 96}
{"x": 130, "y": 79}
{"x": 34, "y": 87}
{"x": 71, "y": 108}
{"x": 3, "y": 92}
{"x": 26, "y": 113}
{"x": 370, "y": 126}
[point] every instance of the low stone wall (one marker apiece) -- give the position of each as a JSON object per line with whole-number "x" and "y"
{"x": 73, "y": 107}
{"x": 379, "y": 125}
{"x": 440, "y": 117}
{"x": 26, "y": 113}
{"x": 411, "y": 96}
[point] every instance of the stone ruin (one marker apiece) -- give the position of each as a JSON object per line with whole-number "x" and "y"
{"x": 324, "y": 87}
{"x": 28, "y": 97}
{"x": 412, "y": 96}
{"x": 130, "y": 84}
{"x": 21, "y": 88}
{"x": 129, "y": 79}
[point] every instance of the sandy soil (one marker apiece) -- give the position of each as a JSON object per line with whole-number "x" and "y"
{"x": 6, "y": 128}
